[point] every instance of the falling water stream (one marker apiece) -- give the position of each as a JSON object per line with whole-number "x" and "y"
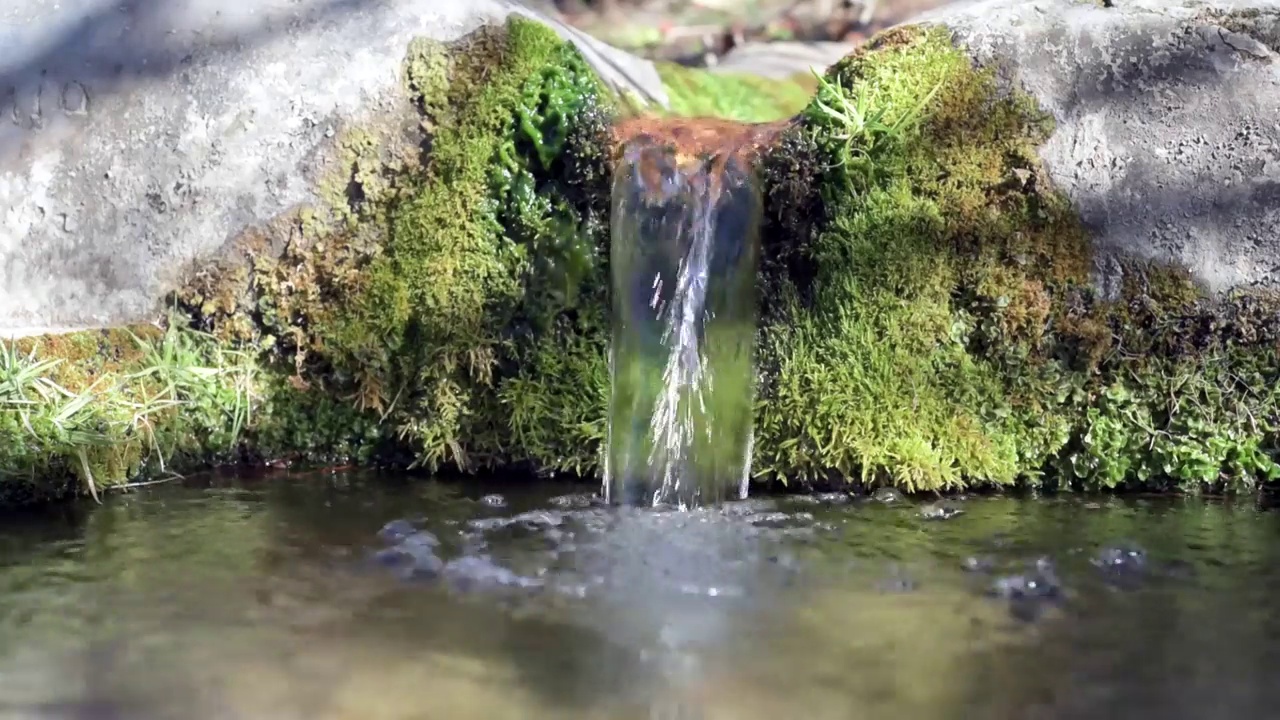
{"x": 685, "y": 246}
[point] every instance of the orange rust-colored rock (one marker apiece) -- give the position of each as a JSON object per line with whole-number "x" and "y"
{"x": 698, "y": 137}
{"x": 702, "y": 149}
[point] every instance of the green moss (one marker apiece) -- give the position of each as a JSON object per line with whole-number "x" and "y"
{"x": 935, "y": 327}
{"x": 733, "y": 96}
{"x": 398, "y": 333}
{"x": 427, "y": 68}
{"x": 928, "y": 317}
{"x": 495, "y": 237}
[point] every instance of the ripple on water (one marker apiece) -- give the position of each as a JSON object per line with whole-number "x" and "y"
{"x": 563, "y": 608}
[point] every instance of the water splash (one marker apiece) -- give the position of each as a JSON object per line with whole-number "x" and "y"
{"x": 685, "y": 246}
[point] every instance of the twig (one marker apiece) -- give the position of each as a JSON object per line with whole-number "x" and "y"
{"x": 146, "y": 483}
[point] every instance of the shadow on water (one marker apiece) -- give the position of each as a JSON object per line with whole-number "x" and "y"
{"x": 343, "y": 596}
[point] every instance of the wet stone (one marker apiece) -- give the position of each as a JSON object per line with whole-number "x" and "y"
{"x": 833, "y": 498}
{"x": 779, "y": 520}
{"x": 1121, "y": 558}
{"x": 494, "y": 500}
{"x": 826, "y": 498}
{"x": 940, "y": 512}
{"x": 478, "y": 572}
{"x": 413, "y": 557}
{"x": 1030, "y": 593}
{"x": 397, "y": 530}
{"x": 888, "y": 496}
{"x": 576, "y": 502}
{"x": 978, "y": 564}
{"x": 533, "y": 520}
{"x": 1124, "y": 565}
{"x": 747, "y": 508}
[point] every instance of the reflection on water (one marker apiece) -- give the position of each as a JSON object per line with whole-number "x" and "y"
{"x": 295, "y": 598}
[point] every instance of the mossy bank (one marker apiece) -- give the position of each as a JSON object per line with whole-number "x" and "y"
{"x": 934, "y": 324}
{"x": 930, "y": 319}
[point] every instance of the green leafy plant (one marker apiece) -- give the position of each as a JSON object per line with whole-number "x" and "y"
{"x": 865, "y": 126}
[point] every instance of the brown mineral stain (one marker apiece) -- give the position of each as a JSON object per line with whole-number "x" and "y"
{"x": 702, "y": 149}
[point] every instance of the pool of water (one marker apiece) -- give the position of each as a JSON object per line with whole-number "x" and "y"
{"x": 351, "y": 597}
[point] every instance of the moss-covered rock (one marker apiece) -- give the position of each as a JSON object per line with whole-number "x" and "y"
{"x": 459, "y": 276}
{"x": 936, "y": 326}
{"x": 930, "y": 315}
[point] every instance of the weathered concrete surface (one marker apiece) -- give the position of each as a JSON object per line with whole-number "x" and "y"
{"x": 138, "y": 135}
{"x": 1168, "y": 111}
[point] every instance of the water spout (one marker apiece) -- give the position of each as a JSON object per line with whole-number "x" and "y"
{"x": 684, "y": 251}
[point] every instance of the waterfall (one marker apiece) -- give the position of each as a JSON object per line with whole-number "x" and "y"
{"x": 684, "y": 252}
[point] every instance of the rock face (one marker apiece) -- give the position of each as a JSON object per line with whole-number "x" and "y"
{"x": 782, "y": 59}
{"x": 135, "y": 139}
{"x": 980, "y": 285}
{"x": 138, "y": 136}
{"x": 1167, "y": 140}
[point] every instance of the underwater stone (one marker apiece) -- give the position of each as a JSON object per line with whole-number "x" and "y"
{"x": 940, "y": 512}
{"x": 397, "y": 530}
{"x": 478, "y": 572}
{"x": 1040, "y": 581}
{"x": 533, "y": 520}
{"x": 575, "y": 502}
{"x": 1123, "y": 565}
{"x": 888, "y": 495}
{"x": 413, "y": 557}
{"x": 1030, "y": 593}
{"x": 1127, "y": 557}
{"x": 977, "y": 564}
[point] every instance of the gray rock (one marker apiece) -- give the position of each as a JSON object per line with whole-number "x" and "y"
{"x": 412, "y": 555}
{"x": 494, "y": 500}
{"x": 782, "y": 60}
{"x": 139, "y": 135}
{"x": 1168, "y": 122}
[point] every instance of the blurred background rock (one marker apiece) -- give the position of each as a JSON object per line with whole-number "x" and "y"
{"x": 771, "y": 37}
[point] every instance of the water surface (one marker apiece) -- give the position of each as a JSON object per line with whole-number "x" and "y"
{"x": 347, "y": 597}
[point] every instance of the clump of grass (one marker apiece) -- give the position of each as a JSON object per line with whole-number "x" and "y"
{"x": 694, "y": 92}
{"x": 868, "y": 125}
{"x": 177, "y": 399}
